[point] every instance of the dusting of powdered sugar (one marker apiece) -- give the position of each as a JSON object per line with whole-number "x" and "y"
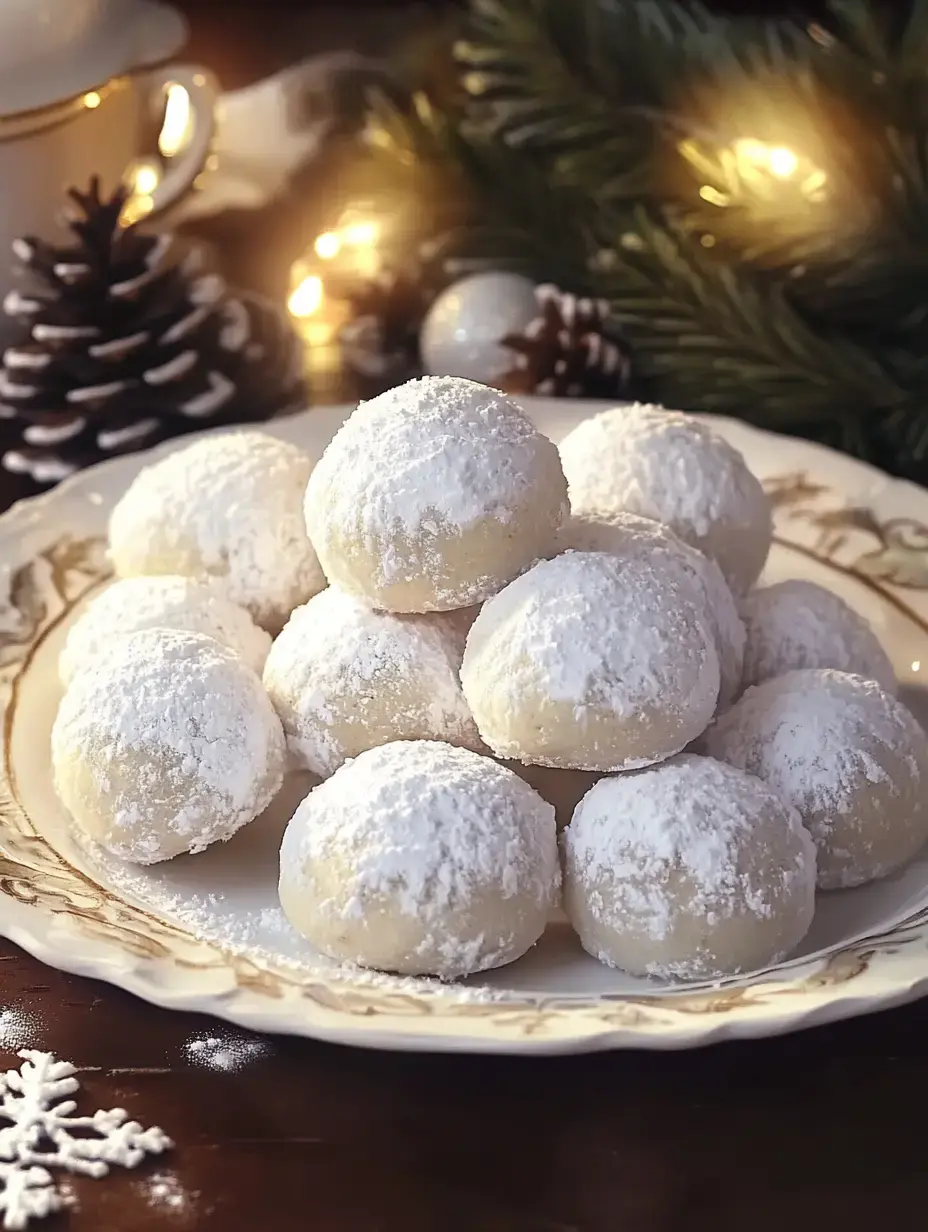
{"x": 19, "y": 1028}
{"x": 679, "y": 842}
{"x": 415, "y": 468}
{"x": 227, "y": 1051}
{"x": 797, "y": 624}
{"x": 229, "y": 507}
{"x": 263, "y": 934}
{"x": 178, "y": 737}
{"x": 167, "y": 602}
{"x": 344, "y": 678}
{"x": 821, "y": 739}
{"x": 590, "y": 630}
{"x": 448, "y": 850}
{"x": 627, "y": 535}
{"x": 671, "y": 467}
{"x": 166, "y": 1193}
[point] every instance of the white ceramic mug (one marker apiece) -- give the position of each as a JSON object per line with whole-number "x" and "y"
{"x": 78, "y": 100}
{"x": 100, "y": 133}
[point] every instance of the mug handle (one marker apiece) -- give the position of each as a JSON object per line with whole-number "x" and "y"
{"x": 183, "y": 168}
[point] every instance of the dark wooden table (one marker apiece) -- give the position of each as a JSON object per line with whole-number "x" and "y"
{"x": 303, "y": 1137}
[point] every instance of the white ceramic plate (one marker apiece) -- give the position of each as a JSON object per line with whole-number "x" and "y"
{"x": 204, "y": 933}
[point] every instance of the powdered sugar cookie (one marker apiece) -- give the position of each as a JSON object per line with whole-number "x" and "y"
{"x": 847, "y": 755}
{"x": 423, "y": 859}
{"x": 627, "y": 535}
{"x": 433, "y": 496}
{"x": 673, "y": 468}
{"x": 796, "y": 624}
{"x": 166, "y": 602}
{"x": 344, "y": 679}
{"x": 227, "y": 509}
{"x": 167, "y": 744}
{"x": 688, "y": 870}
{"x": 589, "y": 662}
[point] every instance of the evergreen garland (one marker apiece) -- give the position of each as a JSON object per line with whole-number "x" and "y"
{"x": 749, "y": 196}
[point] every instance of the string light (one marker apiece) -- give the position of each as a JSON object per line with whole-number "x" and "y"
{"x": 782, "y": 162}
{"x": 360, "y": 234}
{"x": 327, "y": 246}
{"x": 753, "y": 170}
{"x": 345, "y": 254}
{"x": 306, "y": 297}
{"x": 145, "y": 178}
{"x": 142, "y": 178}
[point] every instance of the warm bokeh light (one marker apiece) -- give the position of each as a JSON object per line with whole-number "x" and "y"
{"x": 327, "y": 246}
{"x": 142, "y": 177}
{"x": 178, "y": 121}
{"x": 779, "y": 160}
{"x": 750, "y": 170}
{"x": 352, "y": 244}
{"x": 783, "y": 162}
{"x": 341, "y": 257}
{"x": 306, "y": 298}
{"x": 145, "y": 178}
{"x": 360, "y": 234}
{"x": 136, "y": 208}
{"x": 92, "y": 100}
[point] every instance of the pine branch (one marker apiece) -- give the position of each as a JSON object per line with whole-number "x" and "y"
{"x": 587, "y": 83}
{"x": 717, "y": 340}
{"x": 455, "y": 174}
{"x": 596, "y": 152}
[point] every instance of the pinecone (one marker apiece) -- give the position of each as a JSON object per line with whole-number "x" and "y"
{"x": 382, "y": 338}
{"x": 571, "y": 349}
{"x": 127, "y": 343}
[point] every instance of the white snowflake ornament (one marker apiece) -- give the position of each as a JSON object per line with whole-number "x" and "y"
{"x": 44, "y": 1133}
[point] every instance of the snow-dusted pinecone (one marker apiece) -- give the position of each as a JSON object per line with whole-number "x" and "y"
{"x": 382, "y": 338}
{"x": 127, "y": 340}
{"x": 571, "y": 349}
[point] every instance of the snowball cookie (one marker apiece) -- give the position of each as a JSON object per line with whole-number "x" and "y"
{"x": 626, "y": 534}
{"x": 229, "y": 507}
{"x": 675, "y": 469}
{"x": 592, "y": 662}
{"x": 798, "y": 624}
{"x": 167, "y": 744}
{"x": 847, "y": 755}
{"x": 161, "y": 602}
{"x": 688, "y": 870}
{"x": 421, "y": 858}
{"x": 433, "y": 496}
{"x": 344, "y": 679}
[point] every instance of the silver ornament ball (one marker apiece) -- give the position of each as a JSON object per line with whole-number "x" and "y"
{"x": 461, "y": 332}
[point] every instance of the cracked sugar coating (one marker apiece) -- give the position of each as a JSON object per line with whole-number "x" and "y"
{"x": 165, "y": 746}
{"x": 422, "y": 859}
{"x": 797, "y": 624}
{"x": 433, "y": 496}
{"x": 590, "y": 662}
{"x": 227, "y": 509}
{"x": 688, "y": 870}
{"x": 847, "y": 755}
{"x": 628, "y": 535}
{"x": 344, "y": 679}
{"x": 167, "y": 602}
{"x": 673, "y": 468}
